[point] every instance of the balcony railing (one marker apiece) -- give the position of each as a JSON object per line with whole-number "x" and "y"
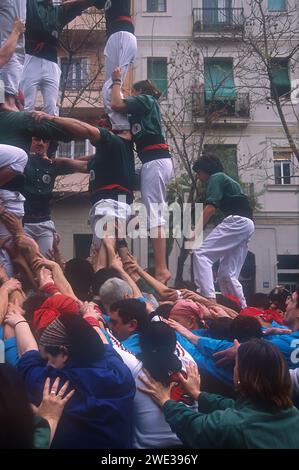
{"x": 207, "y": 20}
{"x": 237, "y": 106}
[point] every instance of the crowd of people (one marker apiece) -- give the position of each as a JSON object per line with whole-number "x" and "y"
{"x": 99, "y": 353}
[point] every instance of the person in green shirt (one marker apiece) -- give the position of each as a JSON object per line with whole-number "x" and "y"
{"x": 228, "y": 242}
{"x": 44, "y": 22}
{"x": 111, "y": 177}
{"x": 40, "y": 176}
{"x": 146, "y": 126}
{"x": 262, "y": 417}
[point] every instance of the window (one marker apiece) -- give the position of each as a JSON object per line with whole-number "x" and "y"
{"x": 282, "y": 166}
{"x": 157, "y": 73}
{"x": 217, "y": 12}
{"x": 219, "y": 80}
{"x": 227, "y": 154}
{"x": 277, "y": 5}
{"x": 82, "y": 244}
{"x": 73, "y": 149}
{"x": 281, "y": 79}
{"x": 157, "y": 6}
{"x": 74, "y": 73}
{"x": 288, "y": 271}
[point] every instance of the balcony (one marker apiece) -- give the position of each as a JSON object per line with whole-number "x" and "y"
{"x": 210, "y": 23}
{"x": 222, "y": 110}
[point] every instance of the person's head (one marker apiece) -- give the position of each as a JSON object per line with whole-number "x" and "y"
{"x": 157, "y": 343}
{"x": 100, "y": 277}
{"x": 32, "y": 303}
{"x": 39, "y": 146}
{"x": 128, "y": 317}
{"x": 261, "y": 374}
{"x": 70, "y": 339}
{"x": 245, "y": 328}
{"x": 16, "y": 417}
{"x": 114, "y": 290}
{"x": 220, "y": 328}
{"x": 260, "y": 300}
{"x": 79, "y": 273}
{"x": 187, "y": 314}
{"x": 145, "y": 87}
{"x": 278, "y": 297}
{"x": 291, "y": 317}
{"x": 163, "y": 310}
{"x": 206, "y": 166}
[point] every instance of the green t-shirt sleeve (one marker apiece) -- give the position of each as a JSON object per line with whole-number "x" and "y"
{"x": 209, "y": 402}
{"x": 138, "y": 104}
{"x": 46, "y": 129}
{"x": 42, "y": 433}
{"x": 215, "y": 190}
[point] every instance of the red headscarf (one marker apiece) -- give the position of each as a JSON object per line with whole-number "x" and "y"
{"x": 52, "y": 308}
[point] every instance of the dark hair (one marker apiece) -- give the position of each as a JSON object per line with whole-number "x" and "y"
{"x": 86, "y": 347}
{"x": 210, "y": 164}
{"x": 279, "y": 295}
{"x": 32, "y": 303}
{"x": 264, "y": 374}
{"x": 16, "y": 417}
{"x": 79, "y": 273}
{"x": 259, "y": 300}
{"x": 163, "y": 310}
{"x": 147, "y": 88}
{"x": 229, "y": 303}
{"x": 245, "y": 328}
{"x": 220, "y": 328}
{"x": 101, "y": 276}
{"x": 132, "y": 309}
{"x": 157, "y": 345}
{"x": 185, "y": 285}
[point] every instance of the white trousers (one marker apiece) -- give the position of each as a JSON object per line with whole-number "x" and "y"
{"x": 111, "y": 210}
{"x": 16, "y": 159}
{"x": 228, "y": 242}
{"x": 13, "y": 157}
{"x": 44, "y": 75}
{"x": 42, "y": 233}
{"x": 155, "y": 176}
{"x": 120, "y": 51}
{"x": 11, "y": 72}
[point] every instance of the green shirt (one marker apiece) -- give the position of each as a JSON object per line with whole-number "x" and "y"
{"x": 18, "y": 128}
{"x": 223, "y": 423}
{"x": 111, "y": 171}
{"x": 43, "y": 24}
{"x": 40, "y": 175}
{"x": 145, "y": 119}
{"x": 226, "y": 194}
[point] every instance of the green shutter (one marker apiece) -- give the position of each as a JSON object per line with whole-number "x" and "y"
{"x": 281, "y": 79}
{"x": 219, "y": 80}
{"x": 157, "y": 73}
{"x": 276, "y": 5}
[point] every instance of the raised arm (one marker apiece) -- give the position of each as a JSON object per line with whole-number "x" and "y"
{"x": 25, "y": 339}
{"x": 77, "y": 129}
{"x": 9, "y": 46}
{"x": 117, "y": 102}
{"x": 75, "y": 166}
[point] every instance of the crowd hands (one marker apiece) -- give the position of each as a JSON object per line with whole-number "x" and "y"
{"x": 74, "y": 330}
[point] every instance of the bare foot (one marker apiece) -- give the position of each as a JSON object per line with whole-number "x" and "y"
{"x": 163, "y": 276}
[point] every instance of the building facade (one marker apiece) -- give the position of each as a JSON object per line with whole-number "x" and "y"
{"x": 247, "y": 128}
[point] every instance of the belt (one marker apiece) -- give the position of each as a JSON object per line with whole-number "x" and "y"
{"x": 155, "y": 147}
{"x": 110, "y": 187}
{"x": 123, "y": 18}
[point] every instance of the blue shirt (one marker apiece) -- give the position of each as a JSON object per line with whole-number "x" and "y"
{"x": 100, "y": 413}
{"x": 10, "y": 349}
